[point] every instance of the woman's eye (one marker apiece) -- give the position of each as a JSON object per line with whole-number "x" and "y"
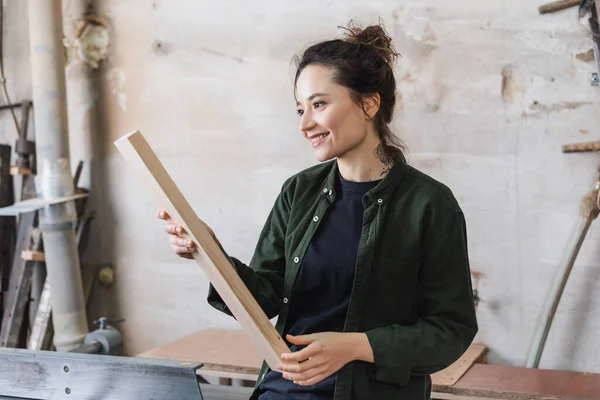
{"x": 300, "y": 112}
{"x": 318, "y": 104}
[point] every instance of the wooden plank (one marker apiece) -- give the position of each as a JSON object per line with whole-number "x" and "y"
{"x": 18, "y": 293}
{"x": 449, "y": 376}
{"x": 32, "y": 255}
{"x": 557, "y": 6}
{"x": 41, "y": 330}
{"x": 209, "y": 256}
{"x": 228, "y": 372}
{"x": 7, "y": 224}
{"x": 20, "y": 171}
{"x": 224, "y": 347}
{"x": 517, "y": 383}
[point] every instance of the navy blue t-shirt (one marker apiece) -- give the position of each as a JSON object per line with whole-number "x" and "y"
{"x": 321, "y": 293}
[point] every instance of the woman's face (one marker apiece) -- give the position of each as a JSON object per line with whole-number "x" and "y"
{"x": 329, "y": 118}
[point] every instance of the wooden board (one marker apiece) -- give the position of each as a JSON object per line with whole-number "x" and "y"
{"x": 41, "y": 331}
{"x": 230, "y": 353}
{"x": 31, "y": 255}
{"x": 449, "y": 376}
{"x": 222, "y": 347}
{"x": 209, "y": 256}
{"x": 7, "y": 224}
{"x": 20, "y": 171}
{"x": 516, "y": 383}
{"x": 20, "y": 284}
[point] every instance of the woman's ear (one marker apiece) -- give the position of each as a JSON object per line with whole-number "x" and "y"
{"x": 371, "y": 105}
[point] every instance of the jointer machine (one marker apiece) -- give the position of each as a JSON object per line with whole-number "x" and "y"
{"x": 83, "y": 374}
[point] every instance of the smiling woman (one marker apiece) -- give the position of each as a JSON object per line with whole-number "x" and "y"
{"x": 362, "y": 258}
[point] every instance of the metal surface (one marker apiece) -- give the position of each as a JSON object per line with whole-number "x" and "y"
{"x": 53, "y": 177}
{"x": 92, "y": 348}
{"x": 52, "y": 375}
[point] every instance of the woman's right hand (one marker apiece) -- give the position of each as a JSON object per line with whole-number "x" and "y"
{"x": 180, "y": 242}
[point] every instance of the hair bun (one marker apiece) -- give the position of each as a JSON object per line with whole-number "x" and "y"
{"x": 374, "y": 36}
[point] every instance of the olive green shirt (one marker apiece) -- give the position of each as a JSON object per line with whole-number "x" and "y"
{"x": 412, "y": 293}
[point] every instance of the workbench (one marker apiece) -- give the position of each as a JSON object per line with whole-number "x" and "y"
{"x": 230, "y": 354}
{"x": 50, "y": 375}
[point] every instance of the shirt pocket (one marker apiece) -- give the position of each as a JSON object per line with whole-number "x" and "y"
{"x": 392, "y": 290}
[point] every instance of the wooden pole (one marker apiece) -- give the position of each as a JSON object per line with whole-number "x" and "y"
{"x": 559, "y": 5}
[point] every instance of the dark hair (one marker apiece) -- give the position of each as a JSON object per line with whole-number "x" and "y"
{"x": 363, "y": 62}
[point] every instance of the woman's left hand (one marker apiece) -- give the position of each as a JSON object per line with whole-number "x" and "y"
{"x": 324, "y": 355}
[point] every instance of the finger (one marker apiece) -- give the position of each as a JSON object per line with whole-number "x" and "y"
{"x": 305, "y": 376}
{"x": 309, "y": 351}
{"x": 301, "y": 339}
{"x": 182, "y": 250}
{"x": 162, "y": 214}
{"x": 174, "y": 229}
{"x": 313, "y": 380}
{"x": 181, "y": 242}
{"x": 301, "y": 367}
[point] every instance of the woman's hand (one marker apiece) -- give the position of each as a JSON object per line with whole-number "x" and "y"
{"x": 325, "y": 354}
{"x": 180, "y": 242}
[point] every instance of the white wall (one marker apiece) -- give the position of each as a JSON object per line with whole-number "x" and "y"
{"x": 215, "y": 101}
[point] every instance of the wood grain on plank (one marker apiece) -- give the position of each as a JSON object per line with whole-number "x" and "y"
{"x": 209, "y": 255}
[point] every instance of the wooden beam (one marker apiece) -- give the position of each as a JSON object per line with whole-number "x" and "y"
{"x": 40, "y": 337}
{"x": 20, "y": 284}
{"x": 20, "y": 171}
{"x": 32, "y": 255}
{"x": 209, "y": 256}
{"x": 7, "y": 224}
{"x": 558, "y": 6}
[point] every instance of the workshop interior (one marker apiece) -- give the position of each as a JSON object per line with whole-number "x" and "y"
{"x": 101, "y": 100}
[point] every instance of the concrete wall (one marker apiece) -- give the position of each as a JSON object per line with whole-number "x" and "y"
{"x": 491, "y": 90}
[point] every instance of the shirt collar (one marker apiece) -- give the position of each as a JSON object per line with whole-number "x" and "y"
{"x": 379, "y": 194}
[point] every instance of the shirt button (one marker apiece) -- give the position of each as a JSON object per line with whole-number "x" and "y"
{"x": 285, "y": 300}
{"x": 296, "y": 260}
{"x": 316, "y": 218}
{"x": 325, "y": 190}
{"x": 380, "y": 201}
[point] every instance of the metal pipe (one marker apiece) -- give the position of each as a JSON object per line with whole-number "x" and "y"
{"x": 92, "y": 348}
{"x": 54, "y": 177}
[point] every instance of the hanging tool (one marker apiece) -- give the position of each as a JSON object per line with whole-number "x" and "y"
{"x": 590, "y": 208}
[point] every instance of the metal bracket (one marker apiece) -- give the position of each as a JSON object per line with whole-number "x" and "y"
{"x": 52, "y": 375}
{"x": 595, "y": 79}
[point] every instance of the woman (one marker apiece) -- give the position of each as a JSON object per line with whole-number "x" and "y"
{"x": 363, "y": 258}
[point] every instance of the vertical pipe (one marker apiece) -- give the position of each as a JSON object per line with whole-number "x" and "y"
{"x": 54, "y": 177}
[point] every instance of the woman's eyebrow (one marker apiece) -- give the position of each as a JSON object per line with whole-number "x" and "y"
{"x": 312, "y": 96}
